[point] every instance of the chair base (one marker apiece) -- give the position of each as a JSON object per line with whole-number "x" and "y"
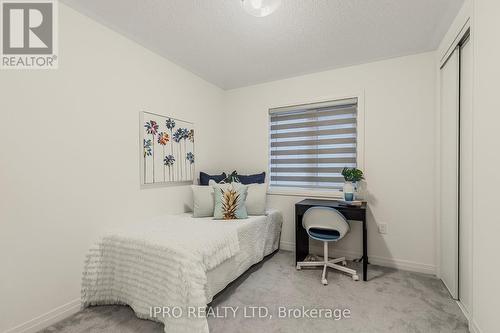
{"x": 332, "y": 264}
{"x": 329, "y": 263}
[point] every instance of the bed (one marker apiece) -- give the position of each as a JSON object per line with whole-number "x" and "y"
{"x": 175, "y": 261}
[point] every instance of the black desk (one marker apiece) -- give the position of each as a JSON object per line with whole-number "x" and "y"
{"x": 351, "y": 213}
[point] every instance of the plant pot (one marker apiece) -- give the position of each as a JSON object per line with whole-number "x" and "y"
{"x": 349, "y": 190}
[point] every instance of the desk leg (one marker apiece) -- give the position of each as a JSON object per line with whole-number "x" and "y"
{"x": 301, "y": 240}
{"x": 365, "y": 251}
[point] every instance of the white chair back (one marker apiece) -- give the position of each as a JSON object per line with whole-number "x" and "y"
{"x": 326, "y": 218}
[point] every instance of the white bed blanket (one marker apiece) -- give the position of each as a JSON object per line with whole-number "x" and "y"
{"x": 164, "y": 263}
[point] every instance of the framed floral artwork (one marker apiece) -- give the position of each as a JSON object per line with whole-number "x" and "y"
{"x": 167, "y": 150}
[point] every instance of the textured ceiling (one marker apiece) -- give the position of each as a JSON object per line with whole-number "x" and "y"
{"x": 221, "y": 43}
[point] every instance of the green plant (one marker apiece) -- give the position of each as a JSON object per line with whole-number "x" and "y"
{"x": 352, "y": 174}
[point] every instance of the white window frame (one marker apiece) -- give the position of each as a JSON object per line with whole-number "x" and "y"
{"x": 360, "y": 144}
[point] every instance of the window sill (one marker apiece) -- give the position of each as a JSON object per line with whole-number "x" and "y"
{"x": 305, "y": 193}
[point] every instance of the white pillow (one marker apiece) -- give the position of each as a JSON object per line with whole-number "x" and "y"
{"x": 203, "y": 201}
{"x": 256, "y": 199}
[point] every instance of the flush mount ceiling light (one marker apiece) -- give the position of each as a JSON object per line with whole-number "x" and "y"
{"x": 260, "y": 8}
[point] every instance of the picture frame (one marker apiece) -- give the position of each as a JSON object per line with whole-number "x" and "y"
{"x": 167, "y": 150}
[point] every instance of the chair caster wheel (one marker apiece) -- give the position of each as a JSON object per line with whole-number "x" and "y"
{"x": 344, "y": 263}
{"x": 298, "y": 267}
{"x": 355, "y": 277}
{"x": 324, "y": 281}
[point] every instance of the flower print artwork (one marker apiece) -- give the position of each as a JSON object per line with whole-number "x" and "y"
{"x": 175, "y": 158}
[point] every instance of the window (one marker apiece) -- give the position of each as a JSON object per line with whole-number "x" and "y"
{"x": 310, "y": 144}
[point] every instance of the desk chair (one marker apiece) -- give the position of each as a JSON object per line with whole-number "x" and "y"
{"x": 327, "y": 225}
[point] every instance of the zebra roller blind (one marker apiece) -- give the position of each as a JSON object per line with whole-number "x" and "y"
{"x": 310, "y": 144}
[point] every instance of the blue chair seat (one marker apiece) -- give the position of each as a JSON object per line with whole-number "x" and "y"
{"x": 324, "y": 234}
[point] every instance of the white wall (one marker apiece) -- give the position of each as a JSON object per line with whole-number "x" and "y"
{"x": 399, "y": 150}
{"x": 70, "y": 144}
{"x": 486, "y": 228}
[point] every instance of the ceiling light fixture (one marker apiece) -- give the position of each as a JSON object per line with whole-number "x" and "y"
{"x": 260, "y": 8}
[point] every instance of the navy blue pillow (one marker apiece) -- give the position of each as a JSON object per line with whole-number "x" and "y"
{"x": 205, "y": 178}
{"x": 259, "y": 178}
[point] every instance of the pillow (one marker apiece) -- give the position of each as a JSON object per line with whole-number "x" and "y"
{"x": 231, "y": 178}
{"x": 230, "y": 201}
{"x": 203, "y": 201}
{"x": 256, "y": 199}
{"x": 205, "y": 178}
{"x": 258, "y": 178}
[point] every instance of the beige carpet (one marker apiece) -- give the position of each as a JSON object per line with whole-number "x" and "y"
{"x": 391, "y": 301}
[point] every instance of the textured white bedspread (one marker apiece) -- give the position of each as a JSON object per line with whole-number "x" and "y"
{"x": 164, "y": 263}
{"x": 258, "y": 236}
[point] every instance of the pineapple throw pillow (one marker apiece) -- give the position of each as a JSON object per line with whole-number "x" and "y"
{"x": 230, "y": 201}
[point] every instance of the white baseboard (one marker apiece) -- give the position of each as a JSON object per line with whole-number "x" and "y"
{"x": 473, "y": 328}
{"x": 405, "y": 265}
{"x": 464, "y": 310}
{"x": 47, "y": 319}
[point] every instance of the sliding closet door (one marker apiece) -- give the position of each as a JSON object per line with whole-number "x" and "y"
{"x": 466, "y": 174}
{"x": 449, "y": 173}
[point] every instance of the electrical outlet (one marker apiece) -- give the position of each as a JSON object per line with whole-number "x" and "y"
{"x": 382, "y": 228}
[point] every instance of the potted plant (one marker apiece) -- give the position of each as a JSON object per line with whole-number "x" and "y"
{"x": 351, "y": 177}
